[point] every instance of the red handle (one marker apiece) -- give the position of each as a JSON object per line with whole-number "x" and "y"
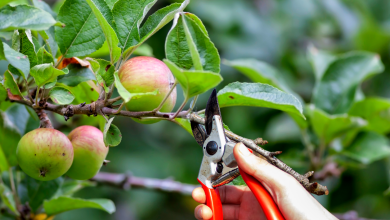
{"x": 265, "y": 200}
{"x": 213, "y": 201}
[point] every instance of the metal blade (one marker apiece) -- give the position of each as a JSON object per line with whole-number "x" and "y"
{"x": 198, "y": 132}
{"x": 212, "y": 108}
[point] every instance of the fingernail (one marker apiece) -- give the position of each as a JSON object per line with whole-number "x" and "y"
{"x": 200, "y": 212}
{"x": 243, "y": 149}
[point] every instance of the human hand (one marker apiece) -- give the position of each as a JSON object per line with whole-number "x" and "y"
{"x": 239, "y": 203}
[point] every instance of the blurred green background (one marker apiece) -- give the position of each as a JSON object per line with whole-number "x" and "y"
{"x": 278, "y": 32}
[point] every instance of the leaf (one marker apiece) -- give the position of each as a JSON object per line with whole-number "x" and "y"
{"x": 368, "y": 148}
{"x": 7, "y": 198}
{"x": 184, "y": 123}
{"x": 86, "y": 92}
{"x": 18, "y": 116}
{"x": 259, "y": 95}
{"x": 319, "y": 60}
{"x": 61, "y": 96}
{"x": 112, "y": 135}
{"x": 11, "y": 85}
{"x": 63, "y": 204}
{"x": 238, "y": 181}
{"x": 76, "y": 75}
{"x": 82, "y": 34}
{"x": 44, "y": 6}
{"x": 106, "y": 71}
{"x": 144, "y": 50}
{"x": 27, "y": 47}
{"x": 126, "y": 95}
{"x": 17, "y": 60}
{"x": 9, "y": 138}
{"x": 189, "y": 47}
{"x": 51, "y": 43}
{"x": 5, "y": 2}
{"x": 328, "y": 127}
{"x": 336, "y": 91}
{"x": 194, "y": 82}
{"x": 376, "y": 111}
{"x": 4, "y": 166}
{"x": 68, "y": 188}
{"x": 105, "y": 19}
{"x": 45, "y": 73}
{"x": 38, "y": 191}
{"x": 44, "y": 57}
{"x": 128, "y": 16}
{"x": 25, "y": 17}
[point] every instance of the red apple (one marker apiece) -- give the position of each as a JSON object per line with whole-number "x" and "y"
{"x": 146, "y": 74}
{"x": 44, "y": 154}
{"x": 89, "y": 152}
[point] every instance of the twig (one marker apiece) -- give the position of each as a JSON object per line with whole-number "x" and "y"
{"x": 166, "y": 97}
{"x": 126, "y": 181}
{"x": 314, "y": 188}
{"x": 309, "y": 146}
{"x": 13, "y": 188}
{"x": 180, "y": 108}
{"x": 113, "y": 100}
{"x": 45, "y": 121}
{"x": 350, "y": 215}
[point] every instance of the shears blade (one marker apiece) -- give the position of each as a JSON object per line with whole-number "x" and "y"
{"x": 198, "y": 132}
{"x": 212, "y": 108}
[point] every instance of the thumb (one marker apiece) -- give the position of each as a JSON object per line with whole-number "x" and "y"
{"x": 272, "y": 178}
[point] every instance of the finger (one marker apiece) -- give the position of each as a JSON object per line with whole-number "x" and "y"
{"x": 231, "y": 194}
{"x": 203, "y": 212}
{"x": 259, "y": 168}
{"x": 231, "y": 212}
{"x": 198, "y": 195}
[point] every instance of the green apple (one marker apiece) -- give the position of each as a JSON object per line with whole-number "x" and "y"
{"x": 146, "y": 74}
{"x": 89, "y": 152}
{"x": 44, "y": 154}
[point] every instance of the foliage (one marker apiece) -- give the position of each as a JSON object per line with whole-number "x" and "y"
{"x": 71, "y": 55}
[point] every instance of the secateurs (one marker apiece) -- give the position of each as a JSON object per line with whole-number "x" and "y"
{"x": 219, "y": 165}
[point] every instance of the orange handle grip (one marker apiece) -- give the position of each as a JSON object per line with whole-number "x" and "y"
{"x": 213, "y": 201}
{"x": 265, "y": 200}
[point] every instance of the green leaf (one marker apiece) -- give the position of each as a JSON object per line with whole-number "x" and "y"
{"x": 50, "y": 42}
{"x": 368, "y": 148}
{"x": 61, "y": 95}
{"x": 4, "y": 166}
{"x": 18, "y": 116}
{"x": 194, "y": 82}
{"x": 126, "y": 95}
{"x": 10, "y": 83}
{"x": 328, "y": 127}
{"x": 68, "y": 188}
{"x": 7, "y": 198}
{"x": 259, "y": 95}
{"x": 144, "y": 50}
{"x": 84, "y": 92}
{"x": 319, "y": 60}
{"x": 184, "y": 123}
{"x": 38, "y": 191}
{"x": 44, "y": 57}
{"x": 111, "y": 135}
{"x": 105, "y": 19}
{"x": 82, "y": 34}
{"x": 5, "y": 2}
{"x": 25, "y": 17}
{"x": 44, "y": 6}
{"x": 63, "y": 204}
{"x": 376, "y": 111}
{"x": 238, "y": 181}
{"x": 17, "y": 60}
{"x": 2, "y": 56}
{"x": 106, "y": 71}
{"x": 9, "y": 138}
{"x": 45, "y": 73}
{"x": 336, "y": 91}
{"x": 76, "y": 75}
{"x": 189, "y": 47}
{"x": 27, "y": 47}
{"x": 128, "y": 16}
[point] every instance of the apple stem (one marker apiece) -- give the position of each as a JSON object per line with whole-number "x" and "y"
{"x": 166, "y": 97}
{"x": 180, "y": 108}
{"x": 45, "y": 121}
{"x": 119, "y": 109}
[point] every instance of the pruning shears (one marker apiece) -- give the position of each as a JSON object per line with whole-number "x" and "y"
{"x": 219, "y": 165}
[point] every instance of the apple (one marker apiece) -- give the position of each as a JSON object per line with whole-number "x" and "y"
{"x": 147, "y": 74}
{"x": 89, "y": 152}
{"x": 44, "y": 154}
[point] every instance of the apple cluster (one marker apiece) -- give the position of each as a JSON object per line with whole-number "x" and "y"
{"x": 46, "y": 153}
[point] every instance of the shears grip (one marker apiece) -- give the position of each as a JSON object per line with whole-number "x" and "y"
{"x": 213, "y": 201}
{"x": 265, "y": 200}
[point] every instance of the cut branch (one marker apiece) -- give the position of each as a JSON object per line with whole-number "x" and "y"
{"x": 126, "y": 181}
{"x": 314, "y": 188}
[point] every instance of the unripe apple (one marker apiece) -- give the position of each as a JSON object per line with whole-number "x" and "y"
{"x": 146, "y": 74}
{"x": 89, "y": 152}
{"x": 44, "y": 154}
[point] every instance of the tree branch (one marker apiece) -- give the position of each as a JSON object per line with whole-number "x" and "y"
{"x": 126, "y": 181}
{"x": 314, "y": 188}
